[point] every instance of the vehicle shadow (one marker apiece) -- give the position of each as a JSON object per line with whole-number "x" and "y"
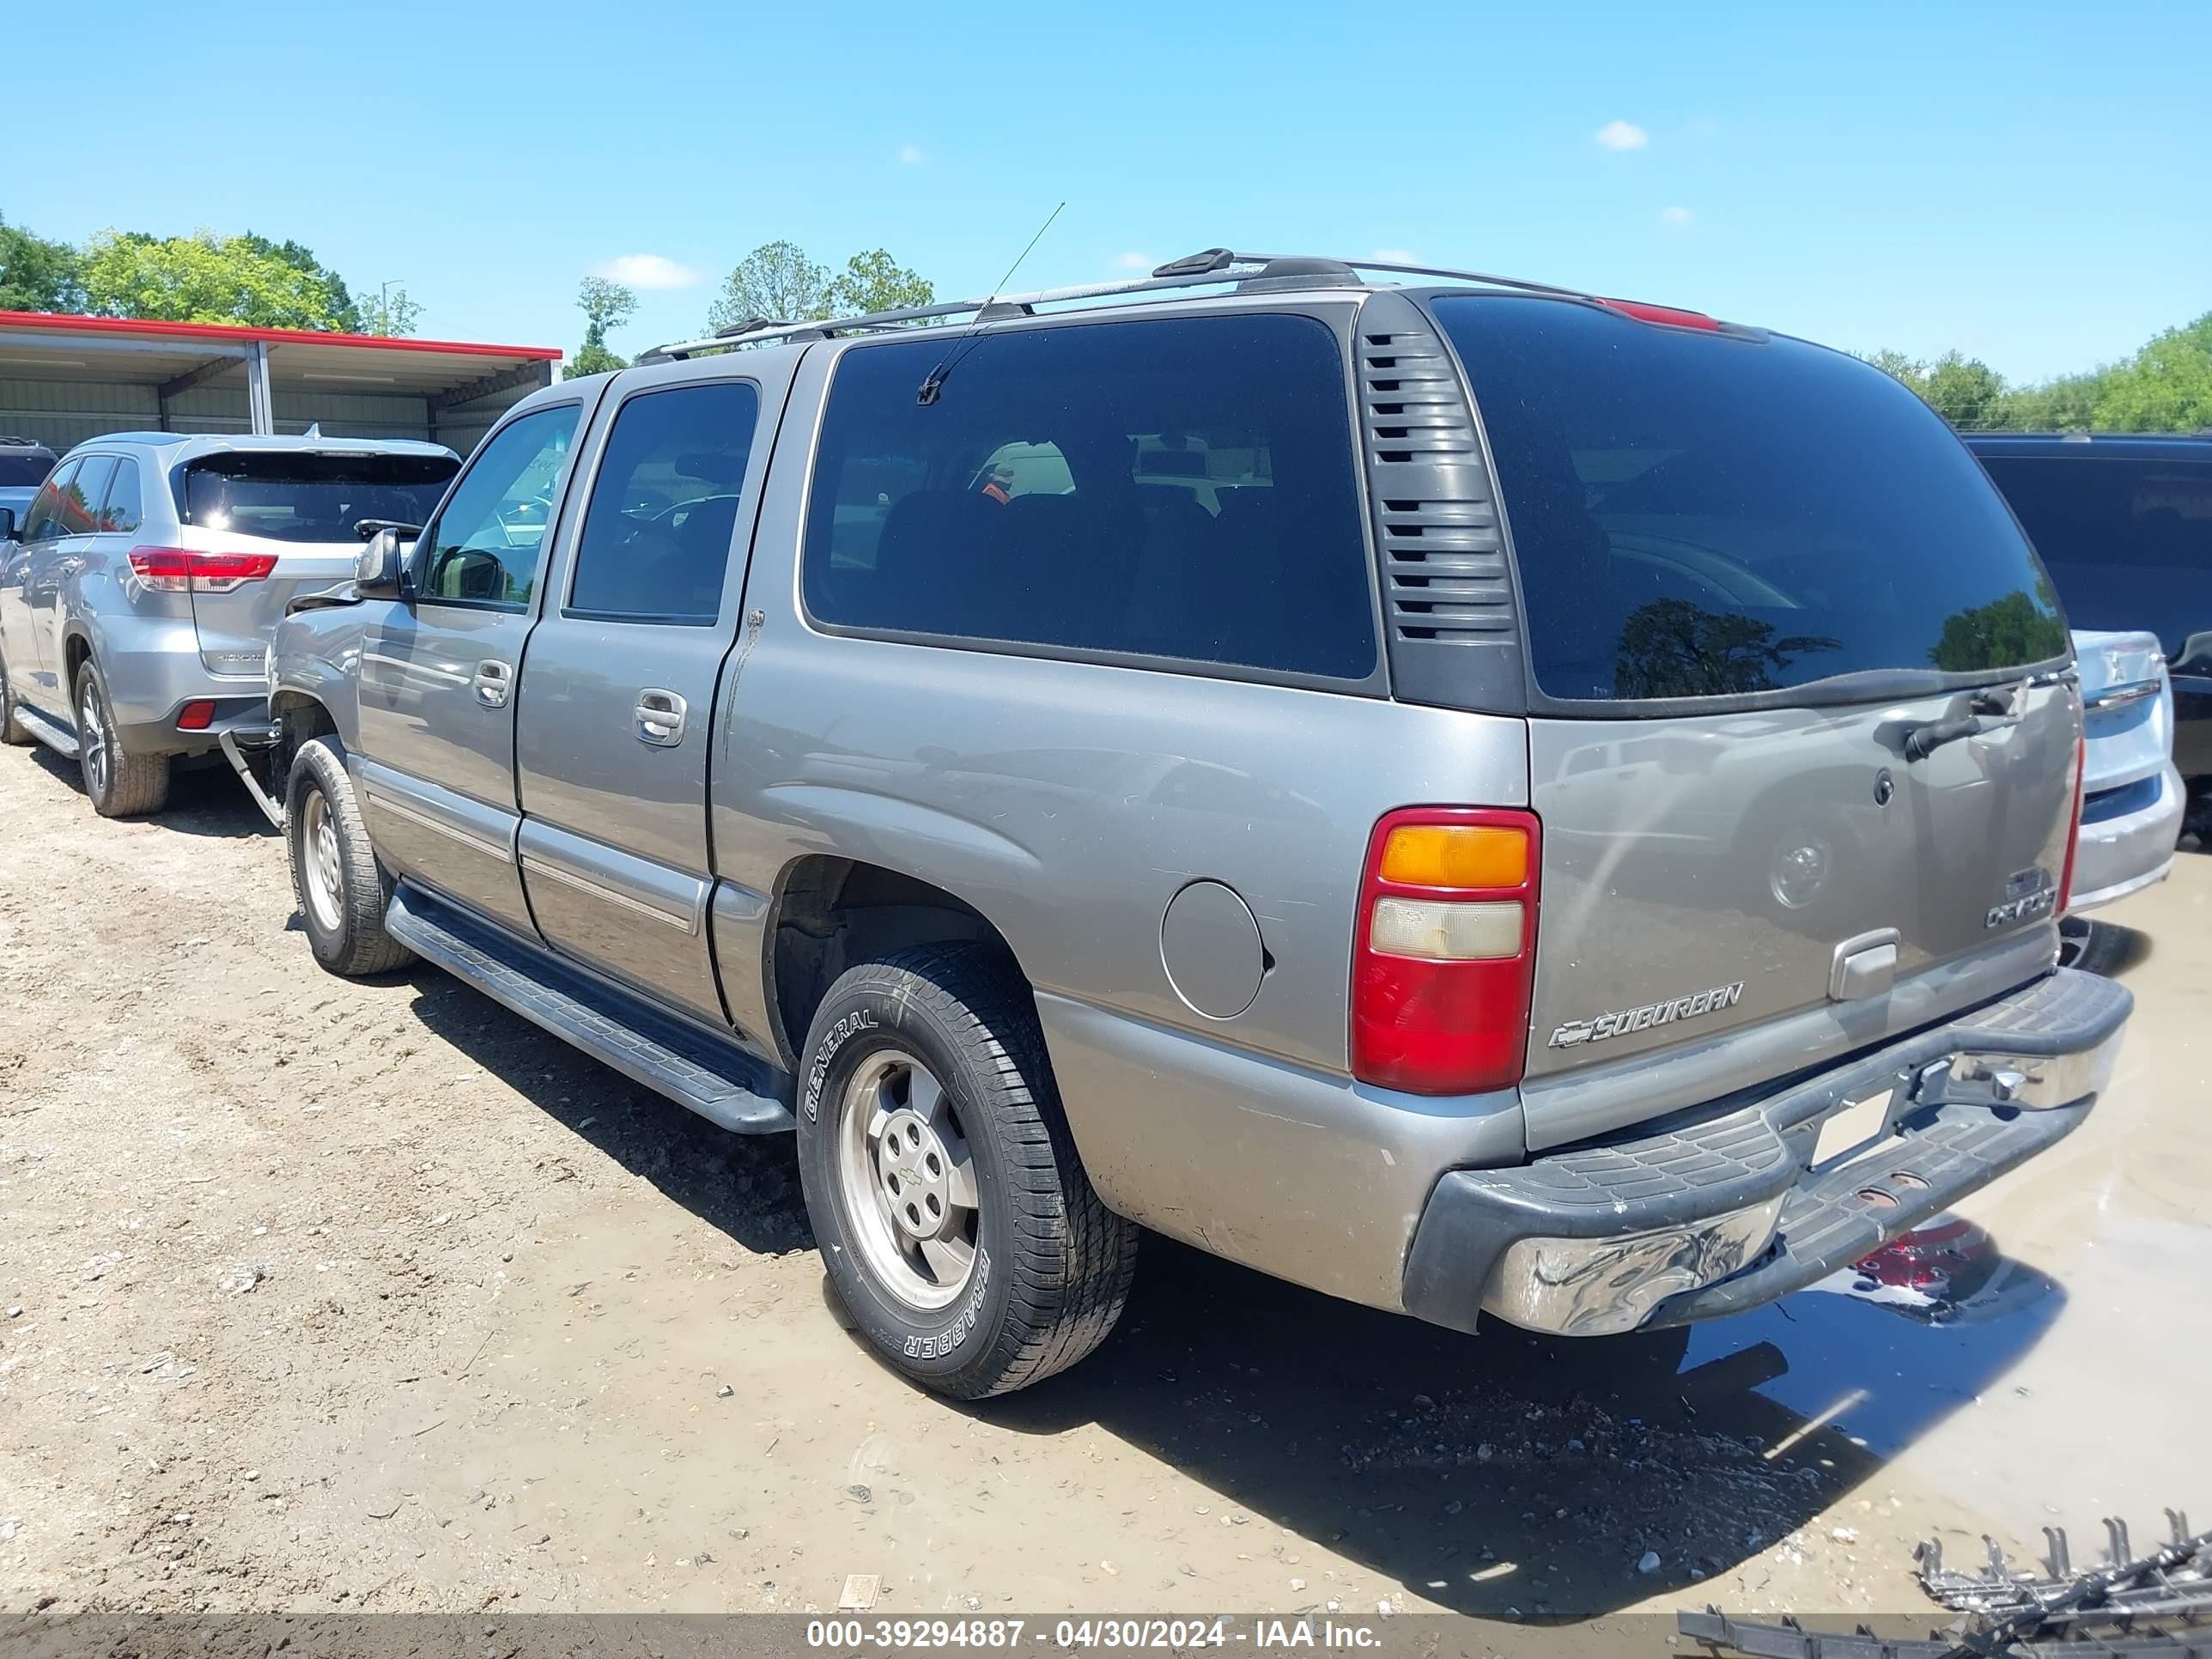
{"x": 746, "y": 1186}
{"x": 204, "y": 800}
{"x": 1482, "y": 1472}
{"x": 1504, "y": 1471}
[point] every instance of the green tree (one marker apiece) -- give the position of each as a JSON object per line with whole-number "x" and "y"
{"x": 1964, "y": 391}
{"x": 1898, "y": 367}
{"x": 2068, "y": 404}
{"x": 876, "y": 282}
{"x": 388, "y": 311}
{"x": 2166, "y": 387}
{"x": 776, "y": 282}
{"x": 1672, "y": 648}
{"x": 2003, "y": 634}
{"x": 206, "y": 279}
{"x": 605, "y": 305}
{"x": 38, "y": 275}
{"x": 345, "y": 315}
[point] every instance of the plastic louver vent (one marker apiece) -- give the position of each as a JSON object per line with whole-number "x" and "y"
{"x": 1443, "y": 566}
{"x": 1448, "y": 594}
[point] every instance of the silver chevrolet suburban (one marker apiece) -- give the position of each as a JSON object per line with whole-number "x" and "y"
{"x": 1472, "y": 797}
{"x": 140, "y": 586}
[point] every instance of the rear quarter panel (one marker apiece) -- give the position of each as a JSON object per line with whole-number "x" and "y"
{"x": 1069, "y": 802}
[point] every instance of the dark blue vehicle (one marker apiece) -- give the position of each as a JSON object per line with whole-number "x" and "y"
{"x": 24, "y": 464}
{"x": 2124, "y": 526}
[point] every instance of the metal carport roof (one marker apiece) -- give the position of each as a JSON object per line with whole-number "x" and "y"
{"x": 64, "y": 379}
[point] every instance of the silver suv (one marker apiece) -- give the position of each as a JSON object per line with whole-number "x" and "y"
{"x": 1475, "y": 798}
{"x": 138, "y": 590}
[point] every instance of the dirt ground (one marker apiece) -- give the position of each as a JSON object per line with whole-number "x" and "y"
{"x": 317, "y": 1296}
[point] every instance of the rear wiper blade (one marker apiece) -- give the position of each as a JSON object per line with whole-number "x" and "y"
{"x": 1987, "y": 712}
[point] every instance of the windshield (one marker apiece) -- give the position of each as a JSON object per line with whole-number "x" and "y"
{"x": 24, "y": 469}
{"x": 1703, "y": 514}
{"x": 2129, "y": 541}
{"x": 305, "y": 497}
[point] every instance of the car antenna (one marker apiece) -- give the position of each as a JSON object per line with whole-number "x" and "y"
{"x": 934, "y": 381}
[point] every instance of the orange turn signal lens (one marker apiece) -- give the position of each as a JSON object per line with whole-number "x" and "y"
{"x": 1455, "y": 855}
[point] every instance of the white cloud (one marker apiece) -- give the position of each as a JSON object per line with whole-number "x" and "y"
{"x": 1674, "y": 218}
{"x": 1622, "y": 135}
{"x": 910, "y": 156}
{"x": 1394, "y": 256}
{"x": 1134, "y": 261}
{"x": 649, "y": 270}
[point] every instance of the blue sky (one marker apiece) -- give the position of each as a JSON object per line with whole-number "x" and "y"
{"x": 2025, "y": 182}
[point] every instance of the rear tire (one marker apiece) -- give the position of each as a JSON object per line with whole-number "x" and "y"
{"x": 2093, "y": 947}
{"x": 118, "y": 784}
{"x": 341, "y": 891}
{"x": 1006, "y": 1268}
{"x": 13, "y": 731}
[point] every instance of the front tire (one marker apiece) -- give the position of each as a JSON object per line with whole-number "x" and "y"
{"x": 13, "y": 731}
{"x": 119, "y": 785}
{"x": 954, "y": 1216}
{"x": 341, "y": 891}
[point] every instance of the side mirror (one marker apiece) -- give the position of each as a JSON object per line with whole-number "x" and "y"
{"x": 6, "y": 524}
{"x": 378, "y": 572}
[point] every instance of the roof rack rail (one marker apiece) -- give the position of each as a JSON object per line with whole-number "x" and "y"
{"x": 1210, "y": 267}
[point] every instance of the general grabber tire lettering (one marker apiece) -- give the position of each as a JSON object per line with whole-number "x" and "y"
{"x": 341, "y": 890}
{"x": 118, "y": 785}
{"x": 953, "y": 1214}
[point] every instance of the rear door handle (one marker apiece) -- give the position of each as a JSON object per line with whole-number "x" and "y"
{"x": 659, "y": 717}
{"x": 491, "y": 681}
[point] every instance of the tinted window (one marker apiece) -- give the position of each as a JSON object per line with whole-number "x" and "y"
{"x": 21, "y": 468}
{"x": 82, "y": 494}
{"x": 656, "y": 539}
{"x": 484, "y": 548}
{"x": 299, "y": 496}
{"x": 44, "y": 521}
{"x": 1182, "y": 487}
{"x": 125, "y": 510}
{"x": 1701, "y": 515}
{"x": 2129, "y": 541}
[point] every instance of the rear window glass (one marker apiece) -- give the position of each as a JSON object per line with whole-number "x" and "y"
{"x": 22, "y": 469}
{"x": 2129, "y": 541}
{"x": 299, "y": 496}
{"x": 1180, "y": 489}
{"x": 1703, "y": 515}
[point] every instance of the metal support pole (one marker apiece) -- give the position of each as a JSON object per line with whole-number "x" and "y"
{"x": 260, "y": 405}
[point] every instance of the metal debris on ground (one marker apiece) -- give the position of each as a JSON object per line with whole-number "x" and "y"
{"x": 2157, "y": 1603}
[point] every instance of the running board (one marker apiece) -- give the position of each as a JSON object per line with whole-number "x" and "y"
{"x": 716, "y": 1080}
{"x": 48, "y": 730}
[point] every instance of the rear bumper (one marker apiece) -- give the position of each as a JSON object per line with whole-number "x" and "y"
{"x": 244, "y": 718}
{"x": 2132, "y": 848}
{"x": 1713, "y": 1214}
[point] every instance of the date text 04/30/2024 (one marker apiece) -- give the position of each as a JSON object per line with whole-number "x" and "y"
{"x": 1255, "y": 1635}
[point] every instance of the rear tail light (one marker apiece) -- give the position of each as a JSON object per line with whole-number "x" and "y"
{"x": 197, "y": 715}
{"x": 1444, "y": 951}
{"x": 179, "y": 569}
{"x": 2073, "y": 825}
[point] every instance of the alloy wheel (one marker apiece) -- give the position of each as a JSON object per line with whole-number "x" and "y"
{"x": 907, "y": 1180}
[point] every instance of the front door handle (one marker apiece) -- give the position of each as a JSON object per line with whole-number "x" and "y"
{"x": 659, "y": 716}
{"x": 491, "y": 682}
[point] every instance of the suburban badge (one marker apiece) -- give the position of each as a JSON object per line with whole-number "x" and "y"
{"x": 1576, "y": 1032}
